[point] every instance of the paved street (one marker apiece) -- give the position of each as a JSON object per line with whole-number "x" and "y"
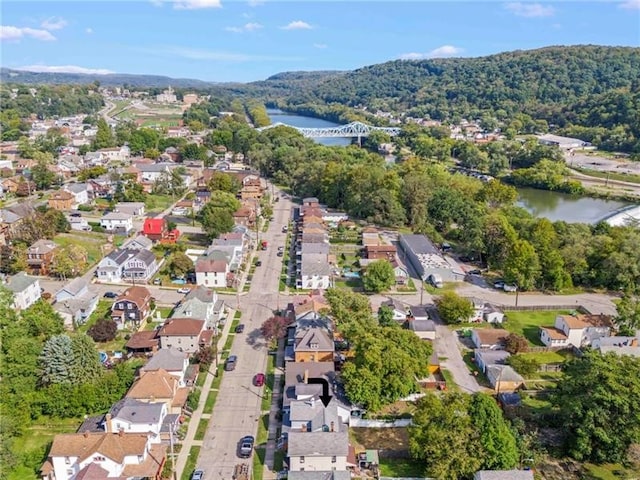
{"x": 237, "y": 408}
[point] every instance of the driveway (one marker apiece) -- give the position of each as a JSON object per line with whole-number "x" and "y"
{"x": 237, "y": 409}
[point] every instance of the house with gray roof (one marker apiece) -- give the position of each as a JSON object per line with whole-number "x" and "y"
{"x": 314, "y": 272}
{"x": 80, "y": 192}
{"x": 132, "y": 208}
{"x": 130, "y": 415}
{"x": 424, "y": 329}
{"x": 75, "y": 302}
{"x": 318, "y": 451}
{"x": 201, "y": 303}
{"x": 484, "y": 358}
{"x": 172, "y": 360}
{"x": 26, "y": 290}
{"x": 127, "y": 264}
{"x": 313, "y": 416}
{"x": 503, "y": 378}
{"x": 117, "y": 222}
{"x": 140, "y": 242}
{"x": 319, "y": 475}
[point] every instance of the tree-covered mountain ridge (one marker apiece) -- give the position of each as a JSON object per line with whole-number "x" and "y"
{"x": 512, "y": 81}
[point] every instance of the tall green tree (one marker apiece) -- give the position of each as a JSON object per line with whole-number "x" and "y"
{"x": 522, "y": 265}
{"x": 444, "y": 438}
{"x": 104, "y": 136}
{"x": 599, "y": 402}
{"x": 496, "y": 438}
{"x": 453, "y": 308}
{"x": 378, "y": 276}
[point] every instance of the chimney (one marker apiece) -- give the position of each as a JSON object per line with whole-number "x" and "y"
{"x": 107, "y": 423}
{"x": 306, "y": 376}
{"x": 332, "y": 429}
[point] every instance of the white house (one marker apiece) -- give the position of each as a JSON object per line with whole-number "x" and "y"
{"x": 576, "y": 330}
{"x": 483, "y": 311}
{"x": 103, "y": 455}
{"x": 80, "y": 192}
{"x": 202, "y": 304}
{"x": 75, "y": 303}
{"x": 26, "y": 290}
{"x": 79, "y": 224}
{"x": 317, "y": 451}
{"x": 151, "y": 172}
{"x": 211, "y": 273}
{"x": 315, "y": 272}
{"x": 135, "y": 416}
{"x": 116, "y": 222}
{"x": 126, "y": 263}
{"x": 116, "y": 153}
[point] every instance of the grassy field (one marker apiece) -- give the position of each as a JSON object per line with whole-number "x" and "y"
{"x": 549, "y": 357}
{"x": 158, "y": 203}
{"x": 528, "y": 323}
{"x": 42, "y": 432}
{"x": 610, "y": 471}
{"x": 401, "y": 467}
{"x": 91, "y": 242}
{"x": 631, "y": 178}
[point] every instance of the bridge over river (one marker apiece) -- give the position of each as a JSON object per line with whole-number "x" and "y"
{"x": 350, "y": 130}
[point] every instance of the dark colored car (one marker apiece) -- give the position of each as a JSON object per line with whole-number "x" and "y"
{"x": 110, "y": 295}
{"x": 231, "y": 362}
{"x": 474, "y": 272}
{"x": 259, "y": 379}
{"x": 258, "y": 263}
{"x": 246, "y": 446}
{"x": 240, "y": 328}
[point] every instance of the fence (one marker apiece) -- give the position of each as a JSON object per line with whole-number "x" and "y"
{"x": 362, "y": 423}
{"x": 578, "y": 308}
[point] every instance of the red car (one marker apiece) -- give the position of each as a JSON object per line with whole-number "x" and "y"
{"x": 258, "y": 380}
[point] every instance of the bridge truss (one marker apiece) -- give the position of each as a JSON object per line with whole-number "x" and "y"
{"x": 351, "y": 130}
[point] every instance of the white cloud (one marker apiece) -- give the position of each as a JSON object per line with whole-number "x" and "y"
{"x": 297, "y": 25}
{"x": 530, "y": 10}
{"x": 631, "y": 5}
{"x": 215, "y": 55}
{"x": 320, "y": 45}
{"x": 440, "y": 52}
{"x": 64, "y": 69}
{"x": 255, "y": 3}
{"x": 54, "y": 23}
{"x": 88, "y": 30}
{"x": 196, "y": 4}
{"x": 247, "y": 27}
{"x": 9, "y": 32}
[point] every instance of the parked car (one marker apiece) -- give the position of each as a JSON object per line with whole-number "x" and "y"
{"x": 258, "y": 263}
{"x": 240, "y": 328}
{"x": 509, "y": 288}
{"x": 231, "y": 362}
{"x": 475, "y": 271}
{"x": 246, "y": 446}
{"x": 285, "y": 229}
{"x": 259, "y": 379}
{"x": 110, "y": 295}
{"x": 157, "y": 281}
{"x": 184, "y": 290}
{"x": 499, "y": 284}
{"x": 197, "y": 475}
{"x": 280, "y": 253}
{"x": 281, "y": 249}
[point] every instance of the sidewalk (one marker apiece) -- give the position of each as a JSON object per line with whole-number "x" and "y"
{"x": 274, "y": 423}
{"x": 197, "y": 415}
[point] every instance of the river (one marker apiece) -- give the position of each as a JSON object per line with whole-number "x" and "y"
{"x": 278, "y": 116}
{"x": 541, "y": 203}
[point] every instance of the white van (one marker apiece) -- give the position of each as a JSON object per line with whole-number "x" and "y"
{"x": 435, "y": 280}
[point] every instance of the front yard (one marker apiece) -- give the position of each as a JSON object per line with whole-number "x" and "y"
{"x": 528, "y": 322}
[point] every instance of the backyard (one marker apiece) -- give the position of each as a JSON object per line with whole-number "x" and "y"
{"x": 91, "y": 242}
{"x": 528, "y": 322}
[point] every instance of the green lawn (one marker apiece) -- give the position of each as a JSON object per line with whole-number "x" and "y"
{"x": 549, "y": 357}
{"x": 210, "y": 403}
{"x": 158, "y": 203}
{"x": 202, "y": 429}
{"x": 42, "y": 432}
{"x": 401, "y": 467}
{"x": 610, "y": 471}
{"x": 91, "y": 242}
{"x": 528, "y": 322}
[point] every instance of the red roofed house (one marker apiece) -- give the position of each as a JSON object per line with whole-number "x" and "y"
{"x": 156, "y": 229}
{"x": 182, "y": 333}
{"x": 211, "y": 272}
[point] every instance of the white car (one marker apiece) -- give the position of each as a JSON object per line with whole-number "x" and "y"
{"x": 509, "y": 288}
{"x": 184, "y": 290}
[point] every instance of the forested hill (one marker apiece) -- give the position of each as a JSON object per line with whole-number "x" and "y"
{"x": 113, "y": 79}
{"x": 504, "y": 84}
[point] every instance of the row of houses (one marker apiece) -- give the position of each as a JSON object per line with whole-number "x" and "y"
{"x": 314, "y": 263}
{"x": 218, "y": 266}
{"x": 131, "y": 440}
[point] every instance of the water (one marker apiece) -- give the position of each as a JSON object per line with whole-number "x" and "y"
{"x": 541, "y": 203}
{"x": 278, "y": 116}
{"x": 560, "y": 206}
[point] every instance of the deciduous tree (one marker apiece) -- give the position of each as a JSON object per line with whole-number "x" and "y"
{"x": 378, "y": 276}
{"x": 452, "y": 308}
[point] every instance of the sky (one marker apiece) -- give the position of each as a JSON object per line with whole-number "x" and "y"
{"x": 249, "y": 40}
